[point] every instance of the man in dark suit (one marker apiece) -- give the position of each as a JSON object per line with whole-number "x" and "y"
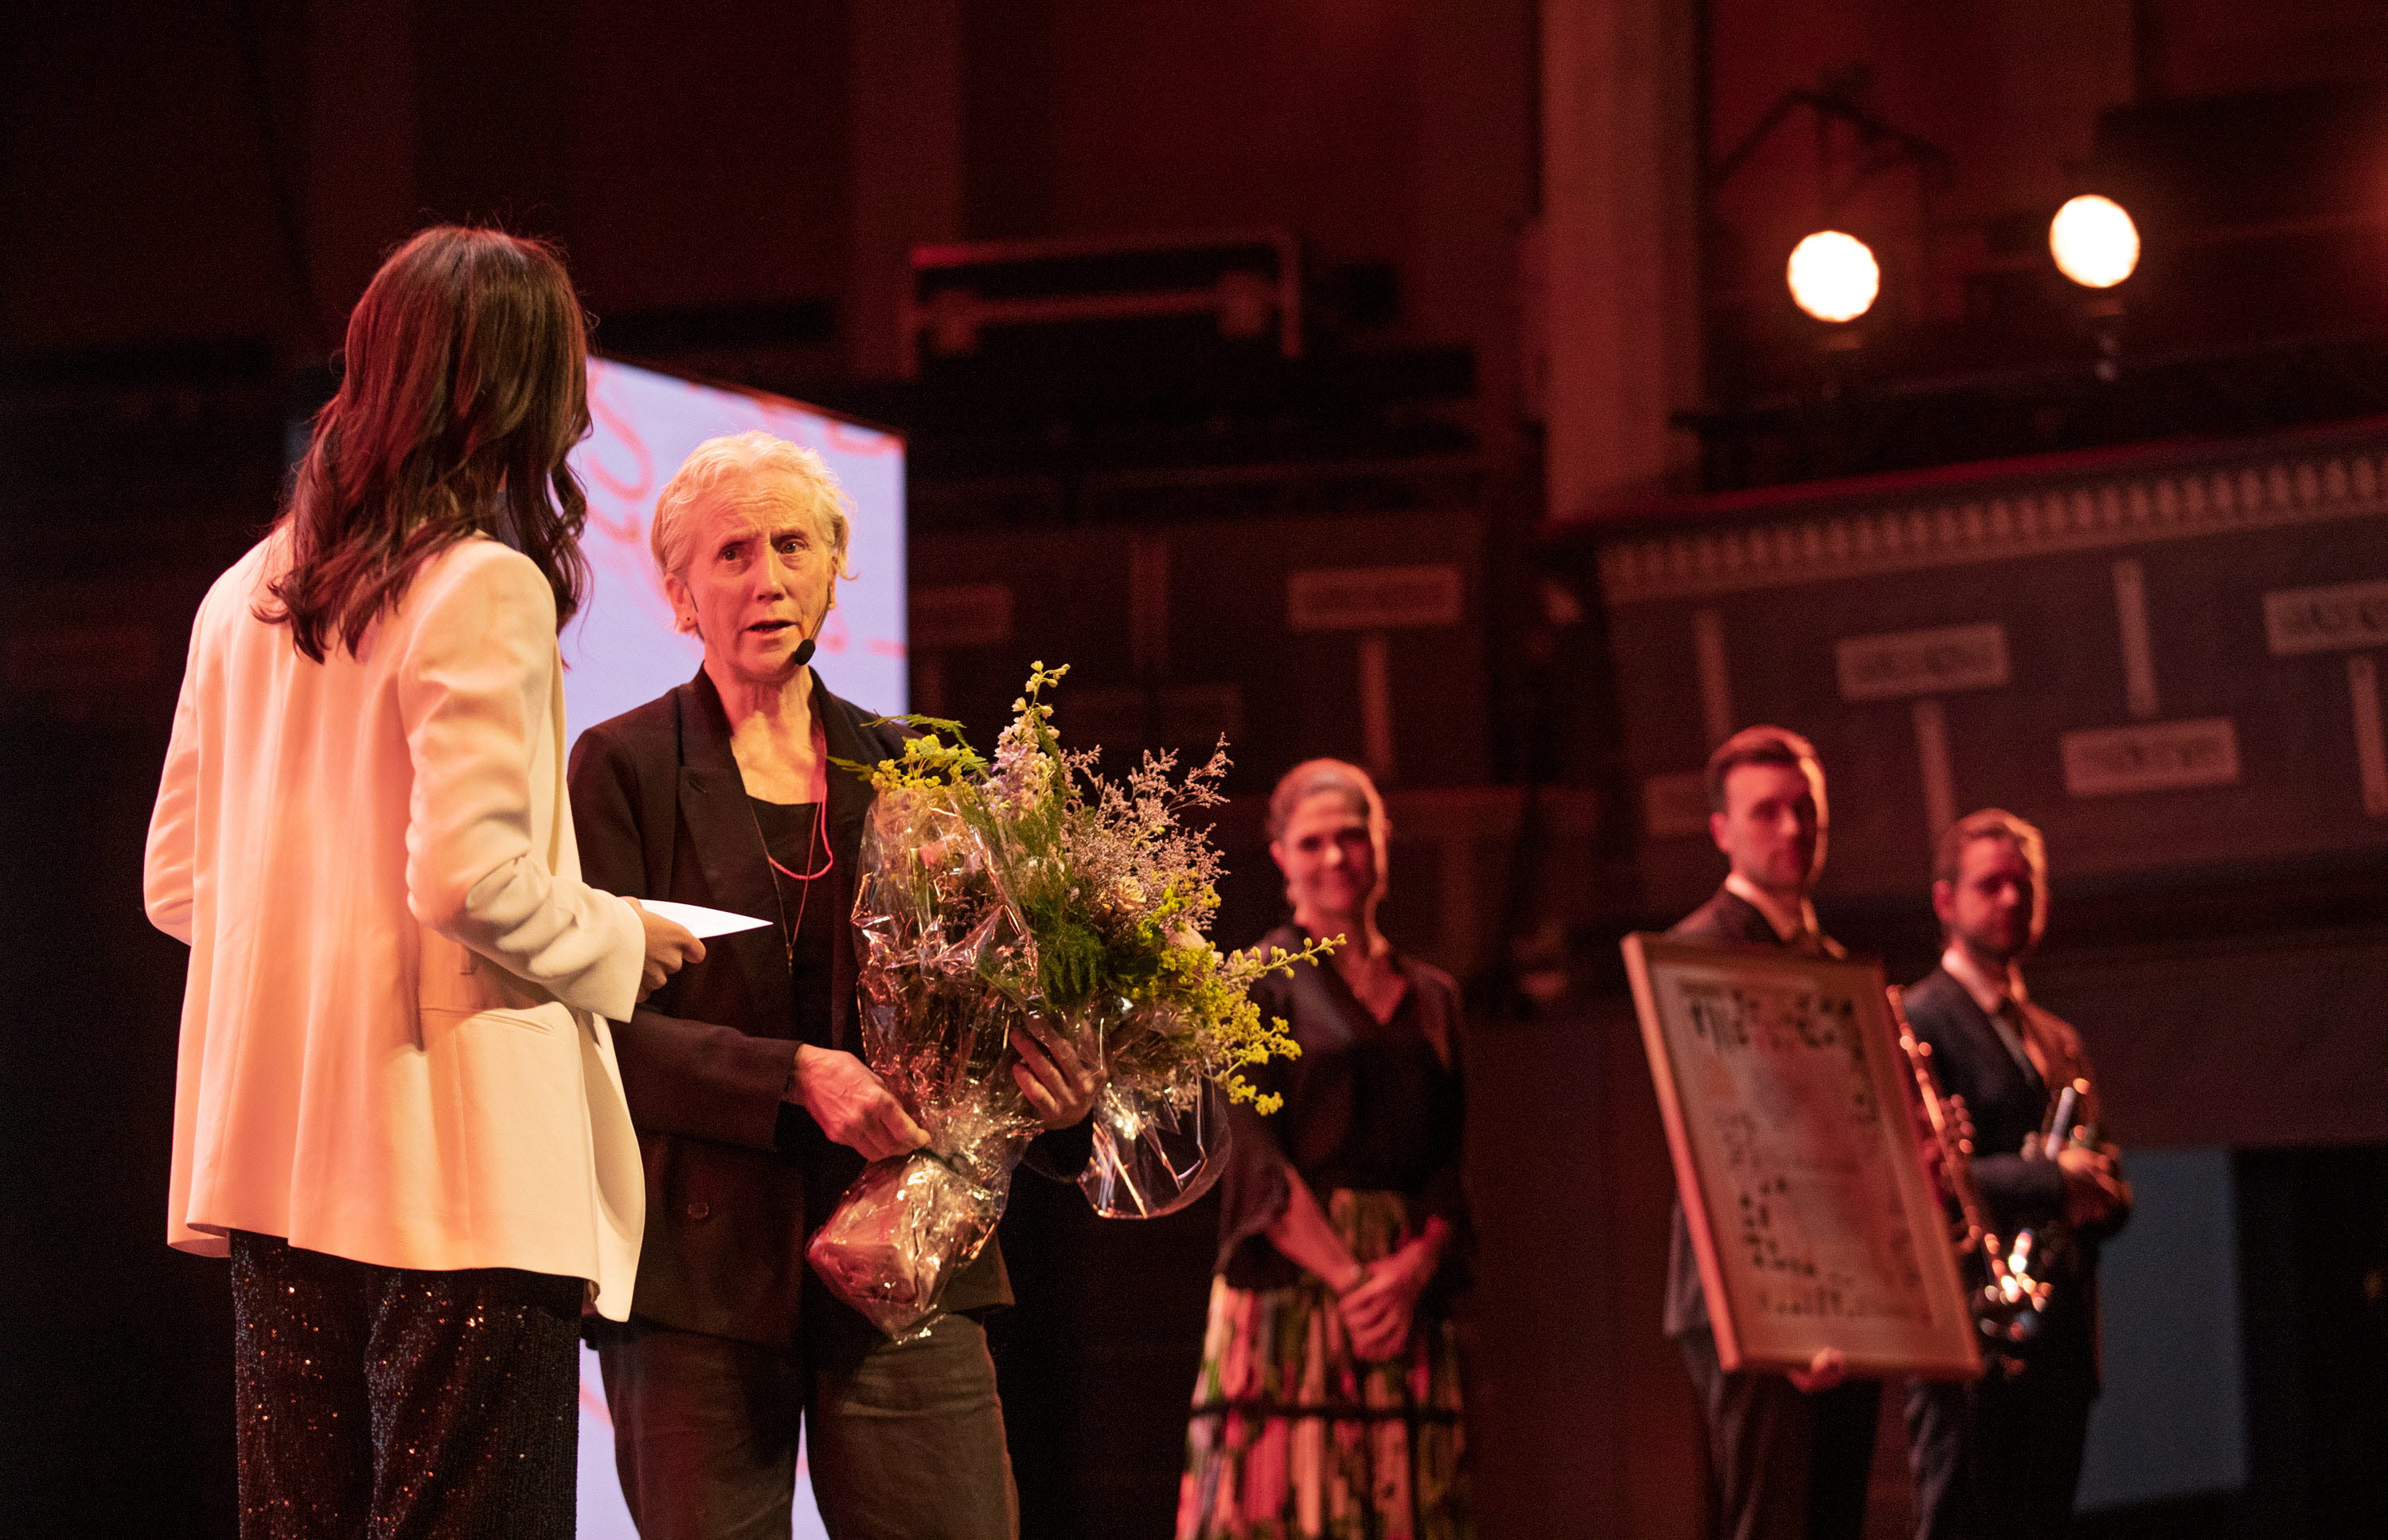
{"x": 1788, "y": 1455}
{"x": 2003, "y": 1455}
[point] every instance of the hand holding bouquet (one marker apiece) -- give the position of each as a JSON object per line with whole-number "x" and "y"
{"x": 1034, "y": 886}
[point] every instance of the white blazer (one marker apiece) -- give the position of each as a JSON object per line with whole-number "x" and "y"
{"x": 393, "y": 1043}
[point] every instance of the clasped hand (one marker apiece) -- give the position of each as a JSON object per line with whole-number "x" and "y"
{"x": 1377, "y": 1310}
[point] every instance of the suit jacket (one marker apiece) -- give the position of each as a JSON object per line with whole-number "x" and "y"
{"x": 737, "y": 1178}
{"x": 1730, "y": 918}
{"x": 393, "y": 1047}
{"x": 2008, "y": 1104}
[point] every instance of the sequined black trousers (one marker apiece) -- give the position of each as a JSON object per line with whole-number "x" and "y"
{"x": 399, "y": 1404}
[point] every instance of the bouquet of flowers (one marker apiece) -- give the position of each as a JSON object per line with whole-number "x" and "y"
{"x": 1032, "y": 885}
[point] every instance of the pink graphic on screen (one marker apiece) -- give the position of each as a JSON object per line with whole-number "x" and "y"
{"x": 623, "y": 652}
{"x": 620, "y": 650}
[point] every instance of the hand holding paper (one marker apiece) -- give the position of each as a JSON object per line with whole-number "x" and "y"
{"x": 701, "y": 922}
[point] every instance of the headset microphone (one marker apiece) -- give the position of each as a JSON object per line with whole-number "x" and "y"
{"x": 803, "y": 653}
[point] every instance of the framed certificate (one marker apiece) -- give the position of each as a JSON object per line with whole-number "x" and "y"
{"x": 1786, "y": 1103}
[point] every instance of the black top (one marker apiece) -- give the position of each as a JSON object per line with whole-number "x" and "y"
{"x": 804, "y": 905}
{"x": 1369, "y": 1105}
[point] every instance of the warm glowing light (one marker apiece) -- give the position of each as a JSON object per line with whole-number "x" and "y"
{"x": 1833, "y": 276}
{"x": 2094, "y": 242}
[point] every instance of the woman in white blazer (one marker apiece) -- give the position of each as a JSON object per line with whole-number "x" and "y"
{"x": 397, "y": 1107}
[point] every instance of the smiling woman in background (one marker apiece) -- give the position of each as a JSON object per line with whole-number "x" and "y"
{"x": 753, "y": 1112}
{"x": 1328, "y": 1400}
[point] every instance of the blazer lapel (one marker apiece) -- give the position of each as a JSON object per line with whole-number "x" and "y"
{"x": 1749, "y": 922}
{"x": 850, "y": 797}
{"x": 1751, "y": 925}
{"x": 729, "y": 847}
{"x": 1995, "y": 1067}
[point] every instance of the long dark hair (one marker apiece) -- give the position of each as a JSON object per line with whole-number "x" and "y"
{"x": 466, "y": 383}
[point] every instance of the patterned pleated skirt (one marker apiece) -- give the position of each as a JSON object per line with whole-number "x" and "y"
{"x": 1292, "y": 1437}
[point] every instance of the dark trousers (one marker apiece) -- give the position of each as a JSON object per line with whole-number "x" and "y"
{"x": 393, "y": 1404}
{"x": 2001, "y": 1456}
{"x": 1782, "y": 1464}
{"x": 904, "y": 1440}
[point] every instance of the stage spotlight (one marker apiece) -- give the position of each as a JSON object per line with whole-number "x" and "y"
{"x": 2094, "y": 242}
{"x": 1833, "y": 276}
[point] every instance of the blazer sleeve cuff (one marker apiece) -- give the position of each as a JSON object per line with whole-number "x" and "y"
{"x": 1061, "y": 1154}
{"x": 612, "y": 986}
{"x": 697, "y": 1080}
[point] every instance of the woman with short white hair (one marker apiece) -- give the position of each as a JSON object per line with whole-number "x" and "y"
{"x": 752, "y": 1108}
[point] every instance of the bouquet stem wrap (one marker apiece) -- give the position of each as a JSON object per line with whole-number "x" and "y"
{"x": 906, "y": 1226}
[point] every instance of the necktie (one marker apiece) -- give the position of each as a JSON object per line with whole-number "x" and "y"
{"x": 2010, "y": 1022}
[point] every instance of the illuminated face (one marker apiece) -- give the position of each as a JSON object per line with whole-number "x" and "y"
{"x": 1773, "y": 825}
{"x": 1328, "y": 858}
{"x": 761, "y": 578}
{"x": 1996, "y": 905}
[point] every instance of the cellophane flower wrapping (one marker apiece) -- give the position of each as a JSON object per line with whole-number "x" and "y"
{"x": 989, "y": 894}
{"x": 1159, "y": 1121}
{"x": 944, "y": 948}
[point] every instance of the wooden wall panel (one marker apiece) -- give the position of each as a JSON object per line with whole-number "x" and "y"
{"x": 1176, "y": 634}
{"x": 2058, "y": 562}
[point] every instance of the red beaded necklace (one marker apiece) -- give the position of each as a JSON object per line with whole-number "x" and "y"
{"x": 817, "y": 839}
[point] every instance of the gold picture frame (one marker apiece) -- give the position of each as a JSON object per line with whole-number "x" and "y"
{"x": 1787, "y": 1106}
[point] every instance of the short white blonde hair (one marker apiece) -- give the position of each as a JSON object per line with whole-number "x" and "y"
{"x": 784, "y": 468}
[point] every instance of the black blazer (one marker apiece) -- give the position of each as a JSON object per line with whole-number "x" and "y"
{"x": 2006, "y": 1101}
{"x": 737, "y": 1179}
{"x": 1726, "y": 917}
{"x": 2008, "y": 1104}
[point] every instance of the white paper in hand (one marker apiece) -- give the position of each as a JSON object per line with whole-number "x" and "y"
{"x": 704, "y": 923}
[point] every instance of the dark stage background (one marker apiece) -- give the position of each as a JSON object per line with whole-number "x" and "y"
{"x": 1472, "y": 437}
